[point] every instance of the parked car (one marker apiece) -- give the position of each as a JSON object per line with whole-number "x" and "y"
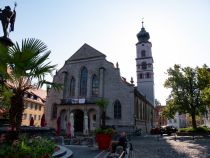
{"x": 155, "y": 130}
{"x": 168, "y": 130}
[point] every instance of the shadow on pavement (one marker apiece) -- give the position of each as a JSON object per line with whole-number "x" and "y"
{"x": 153, "y": 146}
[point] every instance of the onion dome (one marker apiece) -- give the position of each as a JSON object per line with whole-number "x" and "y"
{"x": 143, "y": 35}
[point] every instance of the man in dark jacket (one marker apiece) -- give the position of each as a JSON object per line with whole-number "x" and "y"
{"x": 123, "y": 141}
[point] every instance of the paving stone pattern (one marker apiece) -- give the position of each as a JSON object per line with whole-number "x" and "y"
{"x": 167, "y": 147}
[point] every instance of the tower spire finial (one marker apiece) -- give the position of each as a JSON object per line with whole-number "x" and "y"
{"x": 142, "y": 22}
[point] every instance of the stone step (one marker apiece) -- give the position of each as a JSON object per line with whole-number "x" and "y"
{"x": 63, "y": 152}
{"x": 69, "y": 154}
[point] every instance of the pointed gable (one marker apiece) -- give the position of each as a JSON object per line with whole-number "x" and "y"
{"x": 86, "y": 52}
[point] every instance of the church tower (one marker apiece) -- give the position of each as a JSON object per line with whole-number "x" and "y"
{"x": 144, "y": 65}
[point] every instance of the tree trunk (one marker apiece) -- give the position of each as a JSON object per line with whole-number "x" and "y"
{"x": 103, "y": 118}
{"x": 194, "y": 125}
{"x": 15, "y": 114}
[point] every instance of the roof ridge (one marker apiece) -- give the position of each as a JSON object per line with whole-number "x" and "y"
{"x": 86, "y": 51}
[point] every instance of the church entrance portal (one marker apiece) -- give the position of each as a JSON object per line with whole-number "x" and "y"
{"x": 78, "y": 120}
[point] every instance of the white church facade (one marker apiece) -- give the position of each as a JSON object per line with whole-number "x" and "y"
{"x": 87, "y": 76}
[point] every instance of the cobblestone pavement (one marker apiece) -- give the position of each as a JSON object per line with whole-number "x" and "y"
{"x": 167, "y": 147}
{"x": 83, "y": 151}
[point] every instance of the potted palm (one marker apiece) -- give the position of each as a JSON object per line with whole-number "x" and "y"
{"x": 103, "y": 134}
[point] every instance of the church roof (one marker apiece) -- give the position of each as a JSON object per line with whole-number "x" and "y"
{"x": 86, "y": 52}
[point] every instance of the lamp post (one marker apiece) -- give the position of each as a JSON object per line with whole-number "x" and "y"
{"x": 1, "y": 81}
{"x": 134, "y": 117}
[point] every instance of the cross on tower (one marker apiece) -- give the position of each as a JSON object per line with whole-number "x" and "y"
{"x": 142, "y": 22}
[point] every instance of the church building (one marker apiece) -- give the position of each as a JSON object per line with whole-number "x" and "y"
{"x": 87, "y": 77}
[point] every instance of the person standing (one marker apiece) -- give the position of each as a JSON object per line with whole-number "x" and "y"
{"x": 123, "y": 141}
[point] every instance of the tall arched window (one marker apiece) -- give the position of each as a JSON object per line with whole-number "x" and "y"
{"x": 72, "y": 87}
{"x": 148, "y": 75}
{"x": 83, "y": 82}
{"x": 143, "y": 53}
{"x": 117, "y": 110}
{"x": 54, "y": 110}
{"x": 95, "y": 86}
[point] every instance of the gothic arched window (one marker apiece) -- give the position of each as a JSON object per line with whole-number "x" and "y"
{"x": 117, "y": 110}
{"x": 95, "y": 86}
{"x": 72, "y": 87}
{"x": 83, "y": 81}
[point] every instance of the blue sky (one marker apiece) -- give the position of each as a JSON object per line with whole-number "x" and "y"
{"x": 179, "y": 31}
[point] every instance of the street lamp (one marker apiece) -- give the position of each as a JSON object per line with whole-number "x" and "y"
{"x": 1, "y": 81}
{"x": 134, "y": 117}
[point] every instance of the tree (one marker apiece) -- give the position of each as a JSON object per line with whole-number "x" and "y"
{"x": 169, "y": 111}
{"x": 157, "y": 102}
{"x": 24, "y": 67}
{"x": 5, "y": 95}
{"x": 189, "y": 91}
{"x": 103, "y": 103}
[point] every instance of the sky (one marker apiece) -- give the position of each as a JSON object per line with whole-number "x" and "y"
{"x": 179, "y": 31}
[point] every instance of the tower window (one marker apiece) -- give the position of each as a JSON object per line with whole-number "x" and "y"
{"x": 140, "y": 76}
{"x": 143, "y": 53}
{"x": 148, "y": 75}
{"x": 144, "y": 65}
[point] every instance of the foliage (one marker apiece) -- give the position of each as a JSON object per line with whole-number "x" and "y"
{"x": 103, "y": 103}
{"x": 5, "y": 95}
{"x": 169, "y": 111}
{"x": 28, "y": 148}
{"x": 108, "y": 131}
{"x": 196, "y": 130}
{"x": 157, "y": 102}
{"x": 189, "y": 91}
{"x": 24, "y": 67}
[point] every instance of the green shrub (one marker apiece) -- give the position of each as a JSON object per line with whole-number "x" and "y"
{"x": 108, "y": 131}
{"x": 195, "y": 130}
{"x": 28, "y": 148}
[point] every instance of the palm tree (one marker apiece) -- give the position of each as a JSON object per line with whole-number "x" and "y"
{"x": 103, "y": 103}
{"x": 24, "y": 67}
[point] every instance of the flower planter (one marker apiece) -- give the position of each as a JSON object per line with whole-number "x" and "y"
{"x": 103, "y": 141}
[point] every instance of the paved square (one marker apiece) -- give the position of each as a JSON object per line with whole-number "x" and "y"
{"x": 167, "y": 147}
